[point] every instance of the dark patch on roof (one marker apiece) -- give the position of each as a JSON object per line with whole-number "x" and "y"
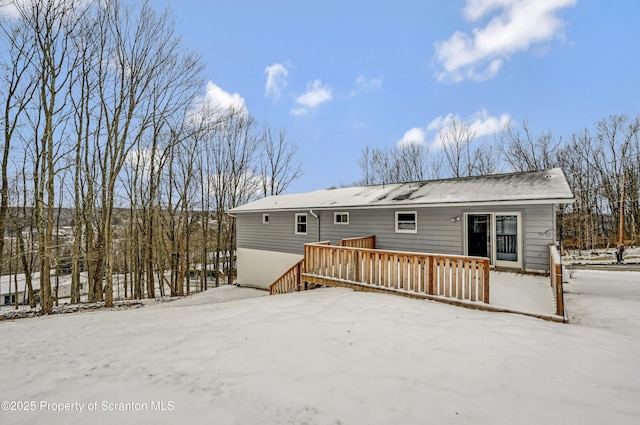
{"x": 408, "y": 194}
{"x": 403, "y": 196}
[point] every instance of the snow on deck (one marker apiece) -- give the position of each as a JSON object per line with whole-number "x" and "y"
{"x": 521, "y": 292}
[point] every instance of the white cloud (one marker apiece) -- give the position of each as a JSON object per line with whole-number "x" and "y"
{"x": 214, "y": 103}
{"x": 415, "y": 135}
{"x": 315, "y": 95}
{"x": 218, "y": 99}
{"x": 480, "y": 123}
{"x": 140, "y": 162}
{"x": 9, "y": 10}
{"x": 365, "y": 85}
{"x": 299, "y": 111}
{"x": 515, "y": 26}
{"x": 276, "y": 80}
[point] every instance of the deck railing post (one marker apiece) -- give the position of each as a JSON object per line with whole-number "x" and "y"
{"x": 555, "y": 273}
{"x": 559, "y": 292}
{"x": 486, "y": 281}
{"x": 431, "y": 268}
{"x": 357, "y": 266}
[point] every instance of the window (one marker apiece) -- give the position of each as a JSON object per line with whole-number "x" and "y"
{"x": 406, "y": 222}
{"x": 265, "y": 218}
{"x": 301, "y": 224}
{"x": 341, "y": 218}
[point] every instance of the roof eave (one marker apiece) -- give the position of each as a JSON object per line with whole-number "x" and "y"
{"x": 549, "y": 201}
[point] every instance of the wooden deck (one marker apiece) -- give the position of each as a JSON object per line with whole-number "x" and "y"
{"x": 405, "y": 273}
{"x": 355, "y": 263}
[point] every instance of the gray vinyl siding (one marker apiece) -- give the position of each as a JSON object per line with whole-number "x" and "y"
{"x": 278, "y": 235}
{"x": 539, "y": 231}
{"x": 437, "y": 233}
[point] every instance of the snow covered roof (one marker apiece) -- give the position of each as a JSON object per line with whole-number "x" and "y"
{"x": 547, "y": 186}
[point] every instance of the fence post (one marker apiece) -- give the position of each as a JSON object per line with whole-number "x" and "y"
{"x": 486, "y": 281}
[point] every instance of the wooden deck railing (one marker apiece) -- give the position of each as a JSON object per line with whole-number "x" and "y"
{"x": 368, "y": 242}
{"x": 555, "y": 272}
{"x": 456, "y": 277}
{"x": 289, "y": 281}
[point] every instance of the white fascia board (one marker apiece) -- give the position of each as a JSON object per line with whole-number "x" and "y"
{"x": 417, "y": 205}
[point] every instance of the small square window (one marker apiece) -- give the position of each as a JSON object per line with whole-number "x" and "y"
{"x": 301, "y": 224}
{"x": 406, "y": 222}
{"x": 265, "y": 218}
{"x": 341, "y": 218}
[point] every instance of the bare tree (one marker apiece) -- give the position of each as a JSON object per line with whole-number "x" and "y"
{"x": 238, "y": 169}
{"x": 411, "y": 162}
{"x": 525, "y": 151}
{"x": 456, "y": 144}
{"x": 485, "y": 160}
{"x": 52, "y": 25}
{"x": 146, "y": 74}
{"x": 581, "y": 221}
{"x": 279, "y": 163}
{"x": 17, "y": 83}
{"x": 404, "y": 163}
{"x": 616, "y": 136}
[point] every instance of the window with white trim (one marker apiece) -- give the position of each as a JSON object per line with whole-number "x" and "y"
{"x": 265, "y": 218}
{"x": 301, "y": 224}
{"x": 340, "y": 218}
{"x": 406, "y": 222}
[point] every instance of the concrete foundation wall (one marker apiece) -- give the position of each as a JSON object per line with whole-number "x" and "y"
{"x": 260, "y": 268}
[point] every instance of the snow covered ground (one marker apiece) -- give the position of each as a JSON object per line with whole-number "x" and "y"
{"x": 601, "y": 255}
{"x": 329, "y": 356}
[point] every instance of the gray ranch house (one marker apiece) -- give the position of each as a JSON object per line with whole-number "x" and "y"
{"x": 508, "y": 218}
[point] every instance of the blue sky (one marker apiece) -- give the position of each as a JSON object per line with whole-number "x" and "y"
{"x": 341, "y": 75}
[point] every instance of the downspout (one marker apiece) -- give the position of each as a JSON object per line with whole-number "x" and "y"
{"x": 318, "y": 221}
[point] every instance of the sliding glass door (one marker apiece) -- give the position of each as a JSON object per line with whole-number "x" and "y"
{"x": 479, "y": 235}
{"x": 508, "y": 240}
{"x": 497, "y": 236}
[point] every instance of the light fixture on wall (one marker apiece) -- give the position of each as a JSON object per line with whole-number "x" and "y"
{"x": 455, "y": 219}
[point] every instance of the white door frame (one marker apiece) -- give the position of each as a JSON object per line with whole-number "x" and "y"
{"x": 493, "y": 256}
